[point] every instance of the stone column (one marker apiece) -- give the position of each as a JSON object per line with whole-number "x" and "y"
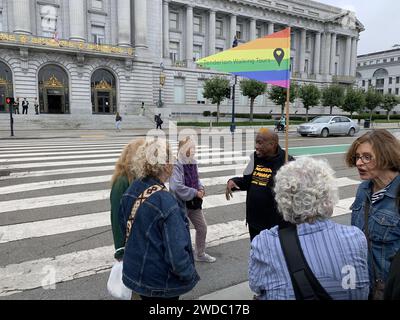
{"x": 140, "y": 21}
{"x": 353, "y": 68}
{"x": 165, "y": 29}
{"x": 124, "y": 23}
{"x": 211, "y": 33}
{"x": 232, "y": 32}
{"x": 77, "y": 20}
{"x": 327, "y": 64}
{"x": 302, "y": 55}
{"x": 253, "y": 29}
{"x": 317, "y": 53}
{"x": 22, "y": 14}
{"x": 333, "y": 53}
{"x": 270, "y": 27}
{"x": 189, "y": 33}
{"x": 347, "y": 57}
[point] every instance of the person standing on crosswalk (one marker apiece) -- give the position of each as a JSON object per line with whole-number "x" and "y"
{"x": 158, "y": 262}
{"x": 258, "y": 181}
{"x": 123, "y": 176}
{"x": 335, "y": 255}
{"x": 376, "y": 208}
{"x": 185, "y": 184}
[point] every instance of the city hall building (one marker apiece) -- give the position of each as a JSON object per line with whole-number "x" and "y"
{"x": 380, "y": 70}
{"x": 87, "y": 57}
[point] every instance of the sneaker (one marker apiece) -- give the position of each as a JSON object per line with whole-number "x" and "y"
{"x": 205, "y": 258}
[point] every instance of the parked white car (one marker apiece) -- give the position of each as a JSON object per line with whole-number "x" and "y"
{"x": 329, "y": 125}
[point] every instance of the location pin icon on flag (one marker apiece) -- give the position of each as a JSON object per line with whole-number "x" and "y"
{"x": 279, "y": 54}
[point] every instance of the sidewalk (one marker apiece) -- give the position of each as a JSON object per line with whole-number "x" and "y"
{"x": 238, "y": 292}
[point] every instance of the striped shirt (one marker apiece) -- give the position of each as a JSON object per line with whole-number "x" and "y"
{"x": 377, "y": 196}
{"x": 334, "y": 253}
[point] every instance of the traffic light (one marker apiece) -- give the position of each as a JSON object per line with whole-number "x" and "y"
{"x": 10, "y": 100}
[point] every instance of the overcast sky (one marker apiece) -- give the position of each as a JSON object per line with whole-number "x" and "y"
{"x": 381, "y": 21}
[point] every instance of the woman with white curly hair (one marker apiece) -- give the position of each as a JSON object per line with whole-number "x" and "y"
{"x": 306, "y": 194}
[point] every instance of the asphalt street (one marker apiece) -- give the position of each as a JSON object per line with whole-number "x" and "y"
{"x": 55, "y": 238}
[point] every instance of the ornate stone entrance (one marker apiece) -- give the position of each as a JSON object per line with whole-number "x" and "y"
{"x": 6, "y": 86}
{"x": 103, "y": 92}
{"x": 53, "y": 90}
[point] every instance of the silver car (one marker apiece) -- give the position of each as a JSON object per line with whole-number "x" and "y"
{"x": 329, "y": 125}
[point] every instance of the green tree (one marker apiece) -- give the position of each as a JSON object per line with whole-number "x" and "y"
{"x": 217, "y": 90}
{"x": 278, "y": 96}
{"x": 252, "y": 89}
{"x": 354, "y": 101}
{"x": 372, "y": 100}
{"x": 333, "y": 96}
{"x": 310, "y": 95}
{"x": 388, "y": 103}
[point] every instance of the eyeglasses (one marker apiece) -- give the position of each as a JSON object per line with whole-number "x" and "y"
{"x": 364, "y": 159}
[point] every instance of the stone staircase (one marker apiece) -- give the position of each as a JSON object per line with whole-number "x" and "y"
{"x": 73, "y": 122}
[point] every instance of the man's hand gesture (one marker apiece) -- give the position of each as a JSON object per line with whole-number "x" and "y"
{"x": 230, "y": 186}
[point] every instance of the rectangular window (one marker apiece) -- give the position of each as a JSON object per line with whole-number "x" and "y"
{"x": 98, "y": 34}
{"x": 363, "y": 83}
{"x": 306, "y": 66}
{"x": 390, "y": 91}
{"x": 197, "y": 24}
{"x": 218, "y": 50}
{"x": 219, "y": 28}
{"x": 369, "y": 82}
{"x": 48, "y": 17}
{"x": 397, "y": 91}
{"x": 200, "y": 93}
{"x": 174, "y": 51}
{"x": 397, "y": 79}
{"x": 391, "y": 59}
{"x": 292, "y": 39}
{"x": 97, "y": 4}
{"x": 390, "y": 80}
{"x": 336, "y": 69}
{"x": 337, "y": 47}
{"x": 179, "y": 90}
{"x": 197, "y": 52}
{"x": 239, "y": 31}
{"x": 259, "y": 35}
{"x": 291, "y": 64}
{"x": 308, "y": 43}
{"x": 173, "y": 20}
{"x": 384, "y": 60}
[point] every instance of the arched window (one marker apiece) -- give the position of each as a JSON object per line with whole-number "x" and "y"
{"x": 381, "y": 73}
{"x": 6, "y": 86}
{"x": 104, "y": 92}
{"x": 53, "y": 90}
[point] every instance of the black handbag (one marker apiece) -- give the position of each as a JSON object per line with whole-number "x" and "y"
{"x": 194, "y": 204}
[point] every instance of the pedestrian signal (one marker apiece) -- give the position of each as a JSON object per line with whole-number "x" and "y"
{"x": 9, "y": 100}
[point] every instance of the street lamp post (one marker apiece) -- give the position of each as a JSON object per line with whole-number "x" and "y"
{"x": 162, "y": 83}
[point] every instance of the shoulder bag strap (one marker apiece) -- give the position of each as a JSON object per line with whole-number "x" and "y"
{"x": 305, "y": 284}
{"x": 140, "y": 200}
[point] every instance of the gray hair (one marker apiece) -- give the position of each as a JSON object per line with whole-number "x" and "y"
{"x": 306, "y": 191}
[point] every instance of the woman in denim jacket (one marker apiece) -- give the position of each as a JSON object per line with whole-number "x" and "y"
{"x": 376, "y": 155}
{"x": 158, "y": 260}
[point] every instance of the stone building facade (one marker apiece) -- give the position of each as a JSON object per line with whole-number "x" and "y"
{"x": 380, "y": 70}
{"x": 100, "y": 56}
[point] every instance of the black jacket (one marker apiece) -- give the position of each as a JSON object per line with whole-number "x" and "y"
{"x": 258, "y": 180}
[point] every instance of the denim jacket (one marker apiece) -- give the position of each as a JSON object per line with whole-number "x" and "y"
{"x": 158, "y": 259}
{"x": 383, "y": 226}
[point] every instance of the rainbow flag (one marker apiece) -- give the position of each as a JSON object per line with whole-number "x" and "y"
{"x": 265, "y": 59}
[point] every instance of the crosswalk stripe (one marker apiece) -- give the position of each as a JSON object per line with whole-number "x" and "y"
{"x": 226, "y": 160}
{"x": 95, "y": 220}
{"x": 31, "y": 174}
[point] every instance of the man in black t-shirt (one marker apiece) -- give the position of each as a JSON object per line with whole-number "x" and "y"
{"x": 258, "y": 180}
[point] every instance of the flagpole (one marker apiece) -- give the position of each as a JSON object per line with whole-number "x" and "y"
{"x": 287, "y": 125}
{"x": 287, "y": 110}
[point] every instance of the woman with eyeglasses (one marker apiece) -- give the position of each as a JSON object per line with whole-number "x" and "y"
{"x": 375, "y": 210}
